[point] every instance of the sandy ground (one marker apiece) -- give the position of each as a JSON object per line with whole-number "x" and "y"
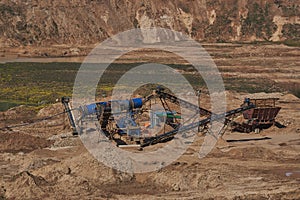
{"x": 45, "y": 161}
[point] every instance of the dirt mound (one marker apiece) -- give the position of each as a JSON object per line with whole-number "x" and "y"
{"x": 276, "y": 195}
{"x": 31, "y": 185}
{"x": 252, "y": 153}
{"x": 281, "y": 96}
{"x": 60, "y": 121}
{"x": 84, "y": 166}
{"x": 26, "y": 178}
{"x": 133, "y": 188}
{"x": 180, "y": 176}
{"x": 17, "y": 115}
{"x": 36, "y": 123}
{"x": 13, "y": 142}
{"x": 262, "y": 95}
{"x": 64, "y": 140}
{"x": 50, "y": 110}
{"x": 38, "y": 163}
{"x": 2, "y": 193}
{"x": 290, "y": 97}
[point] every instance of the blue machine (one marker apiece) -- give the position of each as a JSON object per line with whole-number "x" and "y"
{"x": 91, "y": 109}
{"x": 128, "y": 126}
{"x": 118, "y": 105}
{"x": 121, "y": 110}
{"x": 119, "y": 119}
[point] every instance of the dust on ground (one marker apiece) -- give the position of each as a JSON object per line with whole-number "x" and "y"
{"x": 45, "y": 161}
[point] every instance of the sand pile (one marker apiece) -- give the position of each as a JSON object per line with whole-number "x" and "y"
{"x": 17, "y": 115}
{"x": 252, "y": 153}
{"x": 26, "y": 185}
{"x": 17, "y": 141}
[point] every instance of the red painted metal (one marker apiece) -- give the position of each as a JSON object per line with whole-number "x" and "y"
{"x": 263, "y": 115}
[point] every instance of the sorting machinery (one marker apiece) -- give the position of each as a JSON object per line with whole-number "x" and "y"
{"x": 131, "y": 121}
{"x": 258, "y": 118}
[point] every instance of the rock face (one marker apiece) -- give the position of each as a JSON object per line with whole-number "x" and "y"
{"x": 86, "y": 22}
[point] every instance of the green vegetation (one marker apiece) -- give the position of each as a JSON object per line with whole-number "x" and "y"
{"x": 35, "y": 83}
{"x": 291, "y": 31}
{"x": 291, "y": 10}
{"x": 221, "y": 25}
{"x": 258, "y": 22}
{"x": 39, "y": 84}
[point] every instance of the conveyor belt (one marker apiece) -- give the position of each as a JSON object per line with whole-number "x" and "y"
{"x": 183, "y": 103}
{"x": 165, "y": 136}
